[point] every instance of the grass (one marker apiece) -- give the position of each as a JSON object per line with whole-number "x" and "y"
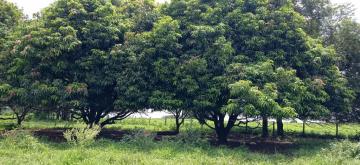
{"x": 25, "y": 149}
{"x": 20, "y": 147}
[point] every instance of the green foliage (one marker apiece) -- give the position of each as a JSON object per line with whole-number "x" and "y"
{"x": 10, "y": 17}
{"x": 82, "y": 135}
{"x": 346, "y": 40}
{"x": 344, "y": 150}
{"x": 105, "y": 60}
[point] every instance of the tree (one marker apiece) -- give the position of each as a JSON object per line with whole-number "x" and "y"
{"x": 18, "y": 89}
{"x": 277, "y": 90}
{"x": 341, "y": 97}
{"x": 10, "y": 17}
{"x": 323, "y": 17}
{"x": 311, "y": 100}
{"x": 220, "y": 39}
{"x": 164, "y": 55}
{"x": 347, "y": 39}
{"x": 23, "y": 97}
{"x": 76, "y": 45}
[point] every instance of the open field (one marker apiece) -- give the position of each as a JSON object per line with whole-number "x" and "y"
{"x": 20, "y": 147}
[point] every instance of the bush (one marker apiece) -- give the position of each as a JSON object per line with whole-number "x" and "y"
{"x": 82, "y": 135}
{"x": 140, "y": 138}
{"x": 344, "y": 150}
{"x": 192, "y": 136}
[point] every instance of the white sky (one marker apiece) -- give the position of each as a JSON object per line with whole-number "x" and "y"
{"x": 33, "y": 6}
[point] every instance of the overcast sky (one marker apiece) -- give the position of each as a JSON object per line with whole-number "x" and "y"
{"x": 33, "y": 6}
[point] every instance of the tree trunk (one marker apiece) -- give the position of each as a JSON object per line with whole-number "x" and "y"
{"x": 265, "y": 131}
{"x": 20, "y": 118}
{"x": 280, "y": 127}
{"x": 303, "y": 131}
{"x": 177, "y": 124}
{"x": 19, "y": 121}
{"x": 337, "y": 129}
{"x": 65, "y": 115}
{"x": 246, "y": 127}
{"x": 20, "y": 114}
{"x": 222, "y": 130}
{"x": 179, "y": 119}
{"x": 222, "y": 136}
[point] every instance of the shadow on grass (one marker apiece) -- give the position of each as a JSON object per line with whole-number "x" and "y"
{"x": 290, "y": 148}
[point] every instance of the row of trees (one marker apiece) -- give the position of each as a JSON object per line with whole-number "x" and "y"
{"x": 218, "y": 61}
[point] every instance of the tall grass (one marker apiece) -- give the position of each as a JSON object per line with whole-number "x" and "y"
{"x": 20, "y": 147}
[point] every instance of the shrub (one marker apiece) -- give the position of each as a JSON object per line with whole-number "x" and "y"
{"x": 140, "y": 138}
{"x": 344, "y": 150}
{"x": 82, "y": 135}
{"x": 192, "y": 136}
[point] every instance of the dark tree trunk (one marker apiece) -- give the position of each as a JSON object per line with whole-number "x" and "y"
{"x": 265, "y": 130}
{"x": 20, "y": 114}
{"x": 280, "y": 127}
{"x": 337, "y": 129}
{"x": 303, "y": 130}
{"x": 65, "y": 115}
{"x": 222, "y": 130}
{"x": 19, "y": 121}
{"x": 222, "y": 135}
{"x": 20, "y": 118}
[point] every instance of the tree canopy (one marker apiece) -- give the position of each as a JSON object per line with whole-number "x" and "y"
{"x": 217, "y": 61}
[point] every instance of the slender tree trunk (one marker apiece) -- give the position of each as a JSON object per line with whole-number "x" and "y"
{"x": 280, "y": 127}
{"x": 177, "y": 124}
{"x": 19, "y": 121}
{"x": 19, "y": 118}
{"x": 337, "y": 129}
{"x": 265, "y": 131}
{"x": 303, "y": 131}
{"x": 179, "y": 119}
{"x": 246, "y": 127}
{"x": 273, "y": 129}
{"x": 20, "y": 114}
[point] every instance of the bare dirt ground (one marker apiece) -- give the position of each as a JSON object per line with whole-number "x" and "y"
{"x": 253, "y": 143}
